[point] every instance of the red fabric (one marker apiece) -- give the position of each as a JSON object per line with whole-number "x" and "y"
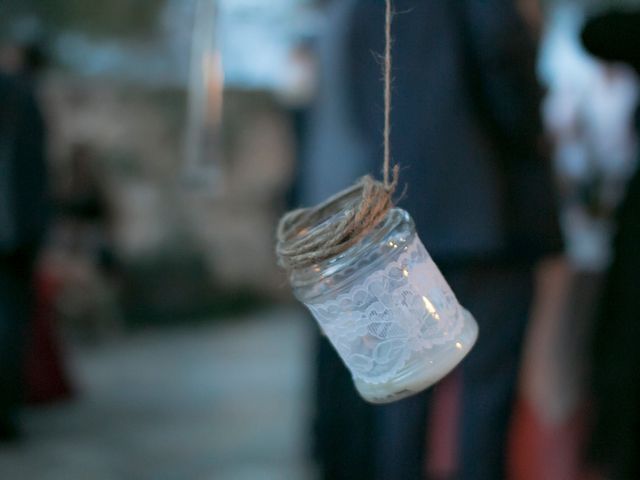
{"x": 442, "y": 457}
{"x": 539, "y": 451}
{"x": 46, "y": 379}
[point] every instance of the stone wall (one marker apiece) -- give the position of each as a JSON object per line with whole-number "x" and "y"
{"x": 226, "y": 219}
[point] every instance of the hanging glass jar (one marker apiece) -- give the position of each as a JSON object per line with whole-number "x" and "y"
{"x": 387, "y": 310}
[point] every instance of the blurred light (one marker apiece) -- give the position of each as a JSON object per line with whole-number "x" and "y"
{"x": 430, "y": 308}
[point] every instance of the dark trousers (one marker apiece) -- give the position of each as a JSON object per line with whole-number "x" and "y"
{"x": 16, "y": 304}
{"x": 344, "y": 436}
{"x": 499, "y": 298}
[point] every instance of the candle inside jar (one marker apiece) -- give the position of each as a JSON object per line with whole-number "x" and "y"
{"x": 422, "y": 370}
{"x": 389, "y": 312}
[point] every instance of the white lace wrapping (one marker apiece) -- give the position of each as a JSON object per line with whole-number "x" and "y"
{"x": 405, "y": 308}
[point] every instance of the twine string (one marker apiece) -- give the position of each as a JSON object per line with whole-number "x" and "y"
{"x": 387, "y": 93}
{"x": 308, "y": 236}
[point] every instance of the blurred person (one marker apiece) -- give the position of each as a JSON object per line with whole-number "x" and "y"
{"x": 587, "y": 112}
{"x": 23, "y": 217}
{"x": 614, "y": 36}
{"x": 333, "y": 155}
{"x": 467, "y": 135}
{"x": 82, "y": 202}
{"x": 45, "y": 377}
{"x": 86, "y": 262}
{"x": 594, "y": 178}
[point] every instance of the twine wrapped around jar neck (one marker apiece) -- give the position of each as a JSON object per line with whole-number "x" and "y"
{"x": 310, "y": 235}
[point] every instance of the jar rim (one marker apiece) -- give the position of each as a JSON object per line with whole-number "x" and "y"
{"x": 320, "y": 271}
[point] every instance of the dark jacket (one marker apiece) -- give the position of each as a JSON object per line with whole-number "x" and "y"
{"x": 466, "y": 126}
{"x": 23, "y": 186}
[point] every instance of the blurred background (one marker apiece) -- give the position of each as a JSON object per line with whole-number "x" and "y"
{"x": 147, "y": 150}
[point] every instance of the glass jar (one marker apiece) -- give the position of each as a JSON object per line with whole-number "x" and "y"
{"x": 388, "y": 311}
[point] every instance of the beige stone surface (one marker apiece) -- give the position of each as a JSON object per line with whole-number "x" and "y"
{"x": 226, "y": 208}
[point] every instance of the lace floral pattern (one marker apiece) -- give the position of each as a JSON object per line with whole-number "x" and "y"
{"x": 390, "y": 315}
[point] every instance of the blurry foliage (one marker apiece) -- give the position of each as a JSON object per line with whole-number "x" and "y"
{"x": 92, "y": 17}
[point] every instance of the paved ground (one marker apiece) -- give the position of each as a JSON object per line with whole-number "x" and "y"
{"x": 216, "y": 402}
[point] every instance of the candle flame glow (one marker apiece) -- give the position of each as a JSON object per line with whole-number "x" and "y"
{"x": 430, "y": 308}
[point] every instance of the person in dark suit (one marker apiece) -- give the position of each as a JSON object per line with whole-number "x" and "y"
{"x": 467, "y": 135}
{"x": 334, "y": 157}
{"x": 23, "y": 216}
{"x": 614, "y": 36}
